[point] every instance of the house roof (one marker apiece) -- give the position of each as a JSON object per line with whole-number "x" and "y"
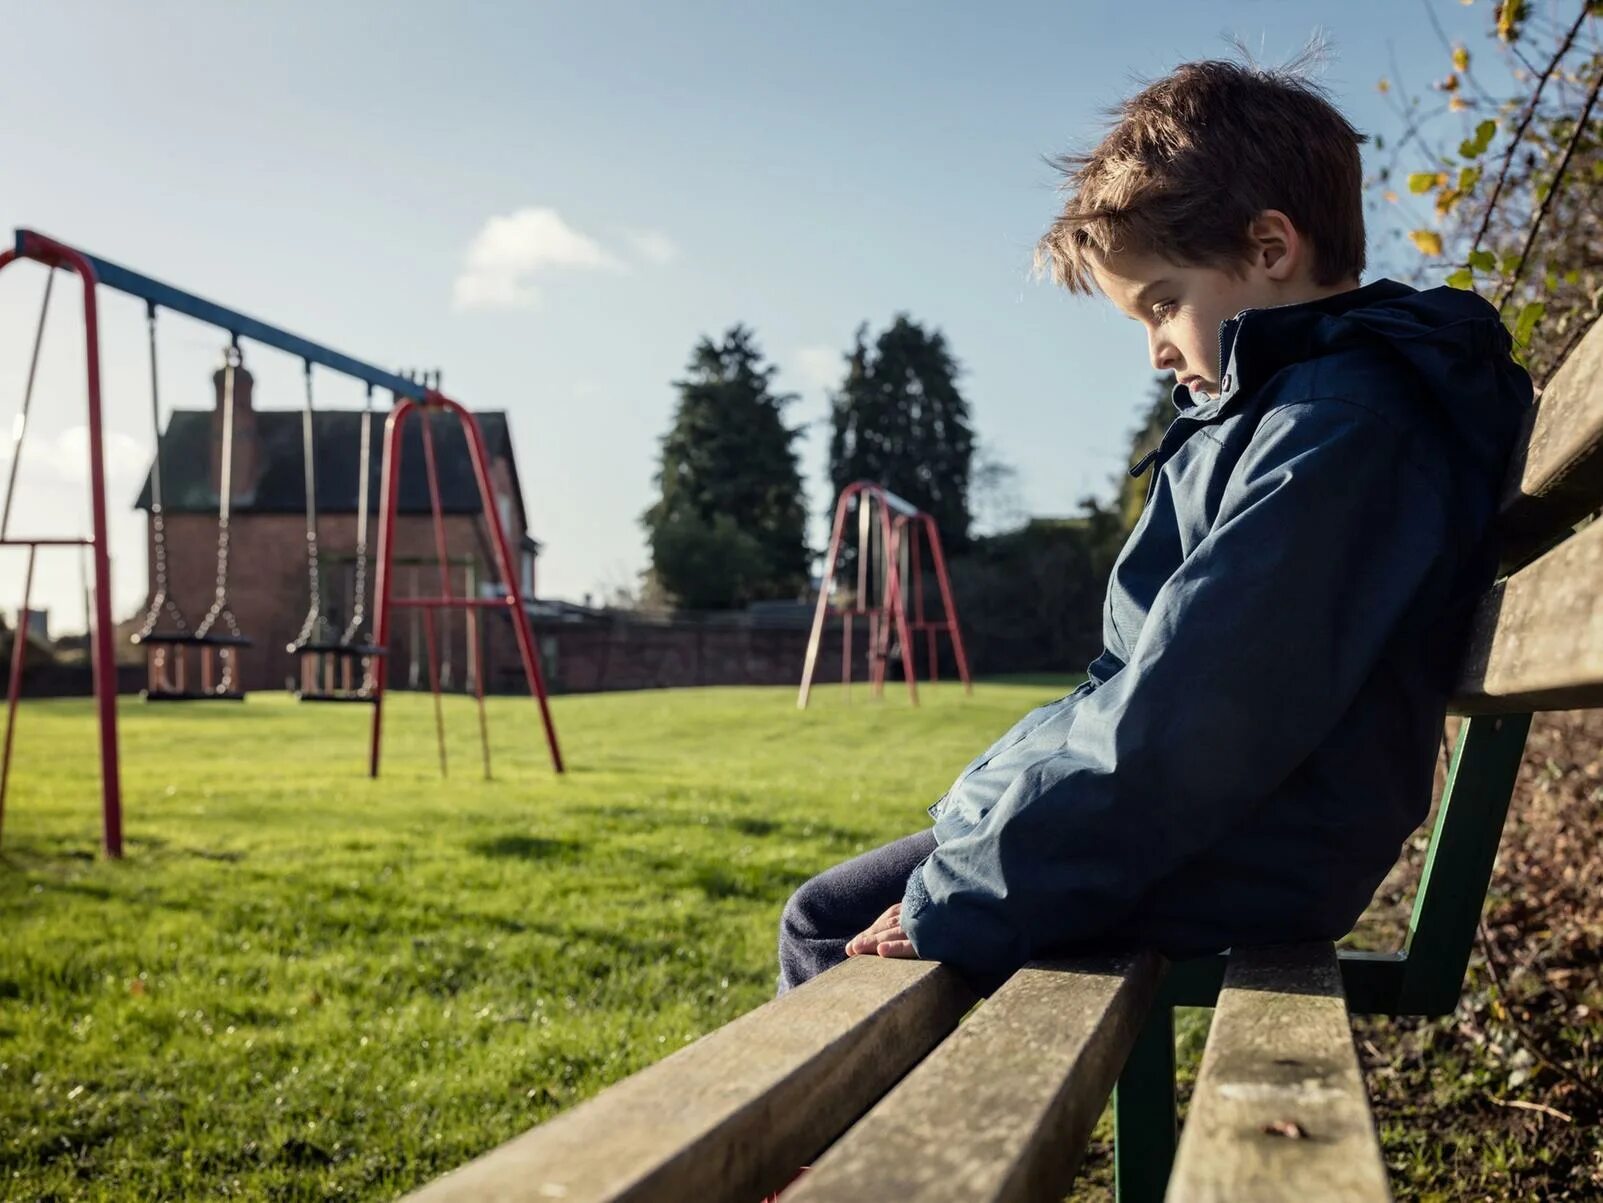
{"x": 281, "y": 481}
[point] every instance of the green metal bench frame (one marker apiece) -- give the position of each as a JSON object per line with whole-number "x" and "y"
{"x": 1424, "y": 978}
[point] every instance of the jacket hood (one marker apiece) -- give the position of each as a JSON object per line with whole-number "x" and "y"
{"x": 1451, "y": 339}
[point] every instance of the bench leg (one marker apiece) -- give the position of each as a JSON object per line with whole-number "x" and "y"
{"x": 1144, "y": 1123}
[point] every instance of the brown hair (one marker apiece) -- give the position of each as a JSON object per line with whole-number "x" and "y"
{"x": 1195, "y": 156}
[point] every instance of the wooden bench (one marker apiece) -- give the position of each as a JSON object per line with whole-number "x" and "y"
{"x": 867, "y": 1074}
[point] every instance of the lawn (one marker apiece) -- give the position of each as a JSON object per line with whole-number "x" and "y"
{"x": 303, "y": 984}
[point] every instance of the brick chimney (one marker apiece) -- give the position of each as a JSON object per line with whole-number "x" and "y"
{"x": 247, "y": 447}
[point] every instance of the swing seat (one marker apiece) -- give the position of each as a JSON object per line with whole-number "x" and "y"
{"x": 346, "y": 654}
{"x": 189, "y": 639}
{"x": 337, "y": 648}
{"x": 186, "y": 639}
{"x": 188, "y": 695}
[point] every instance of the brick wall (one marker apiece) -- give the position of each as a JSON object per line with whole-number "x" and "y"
{"x": 627, "y": 654}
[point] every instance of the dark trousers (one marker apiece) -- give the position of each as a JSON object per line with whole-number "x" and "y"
{"x": 830, "y": 909}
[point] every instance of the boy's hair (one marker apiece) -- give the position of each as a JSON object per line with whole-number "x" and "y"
{"x": 1195, "y": 156}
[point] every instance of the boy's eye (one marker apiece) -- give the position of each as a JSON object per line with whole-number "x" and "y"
{"x": 1162, "y": 309}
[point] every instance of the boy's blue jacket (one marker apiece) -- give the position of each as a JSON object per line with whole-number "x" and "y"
{"x": 1258, "y": 736}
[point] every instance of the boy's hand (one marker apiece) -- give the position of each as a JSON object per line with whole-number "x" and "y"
{"x": 884, "y": 936}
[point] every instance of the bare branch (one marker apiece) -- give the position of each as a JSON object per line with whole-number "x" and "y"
{"x": 1553, "y": 188}
{"x": 1525, "y": 121}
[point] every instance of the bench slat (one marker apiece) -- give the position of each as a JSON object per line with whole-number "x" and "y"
{"x": 732, "y": 1115}
{"x": 1536, "y": 642}
{"x": 1279, "y": 1111}
{"x": 1557, "y": 477}
{"x": 1002, "y": 1110}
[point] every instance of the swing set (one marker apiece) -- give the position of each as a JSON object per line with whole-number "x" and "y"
{"x": 343, "y": 666}
{"x": 893, "y": 537}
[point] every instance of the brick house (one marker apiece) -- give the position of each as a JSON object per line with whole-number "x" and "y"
{"x": 268, "y": 580}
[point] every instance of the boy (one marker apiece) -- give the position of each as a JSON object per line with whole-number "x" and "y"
{"x": 1258, "y": 735}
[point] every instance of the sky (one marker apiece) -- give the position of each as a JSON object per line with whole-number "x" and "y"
{"x": 552, "y": 203}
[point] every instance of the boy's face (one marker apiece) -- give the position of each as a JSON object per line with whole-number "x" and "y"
{"x": 1181, "y": 308}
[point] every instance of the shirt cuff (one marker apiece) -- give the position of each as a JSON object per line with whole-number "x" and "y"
{"x": 914, "y": 899}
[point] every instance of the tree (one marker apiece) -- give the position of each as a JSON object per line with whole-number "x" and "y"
{"x": 729, "y": 525}
{"x": 1031, "y": 597}
{"x": 995, "y": 502}
{"x": 1154, "y": 420}
{"x": 1515, "y": 213}
{"x": 900, "y": 421}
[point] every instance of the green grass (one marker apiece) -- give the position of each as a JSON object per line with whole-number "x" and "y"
{"x": 303, "y": 984}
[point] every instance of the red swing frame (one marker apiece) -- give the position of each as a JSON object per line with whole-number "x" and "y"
{"x": 102, "y": 659}
{"x": 384, "y": 583}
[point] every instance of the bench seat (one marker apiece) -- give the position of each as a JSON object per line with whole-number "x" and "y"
{"x": 867, "y": 1074}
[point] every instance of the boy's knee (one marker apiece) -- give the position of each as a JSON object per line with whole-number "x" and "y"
{"x": 799, "y": 919}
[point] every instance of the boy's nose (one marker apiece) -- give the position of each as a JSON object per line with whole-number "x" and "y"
{"x": 1164, "y": 357}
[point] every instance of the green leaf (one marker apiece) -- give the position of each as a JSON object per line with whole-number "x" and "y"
{"x": 1468, "y": 177}
{"x": 1573, "y": 276}
{"x": 1429, "y": 242}
{"x": 1509, "y": 15}
{"x": 1462, "y": 278}
{"x": 1530, "y": 314}
{"x": 1421, "y": 182}
{"x": 1483, "y": 261}
{"x": 1510, "y": 262}
{"x": 1476, "y": 145}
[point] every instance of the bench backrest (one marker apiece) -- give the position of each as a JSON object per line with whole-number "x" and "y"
{"x": 1536, "y": 643}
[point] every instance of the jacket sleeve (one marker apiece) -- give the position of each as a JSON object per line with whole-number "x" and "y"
{"x": 1252, "y": 650}
{"x": 1016, "y": 732}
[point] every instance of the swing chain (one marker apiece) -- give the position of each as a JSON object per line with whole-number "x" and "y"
{"x": 312, "y": 629}
{"x": 231, "y": 363}
{"x": 20, "y": 427}
{"x": 314, "y": 579}
{"x": 232, "y": 360}
{"x": 359, "y": 604}
{"x": 161, "y": 602}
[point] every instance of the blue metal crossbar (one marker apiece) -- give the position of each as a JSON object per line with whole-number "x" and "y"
{"x": 237, "y": 324}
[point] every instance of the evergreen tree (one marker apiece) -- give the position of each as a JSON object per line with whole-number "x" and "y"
{"x": 730, "y": 524}
{"x": 900, "y": 421}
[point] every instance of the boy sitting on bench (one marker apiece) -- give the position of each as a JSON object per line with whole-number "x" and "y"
{"x": 1257, "y": 738}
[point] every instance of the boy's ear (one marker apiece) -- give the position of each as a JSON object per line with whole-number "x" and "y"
{"x": 1277, "y": 246}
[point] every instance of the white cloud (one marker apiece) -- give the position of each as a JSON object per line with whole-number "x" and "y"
{"x": 511, "y": 250}
{"x": 66, "y": 458}
{"x": 654, "y": 246}
{"x": 821, "y": 368}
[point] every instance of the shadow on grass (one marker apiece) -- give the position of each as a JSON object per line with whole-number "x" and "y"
{"x": 766, "y": 885}
{"x": 525, "y": 847}
{"x": 790, "y": 829}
